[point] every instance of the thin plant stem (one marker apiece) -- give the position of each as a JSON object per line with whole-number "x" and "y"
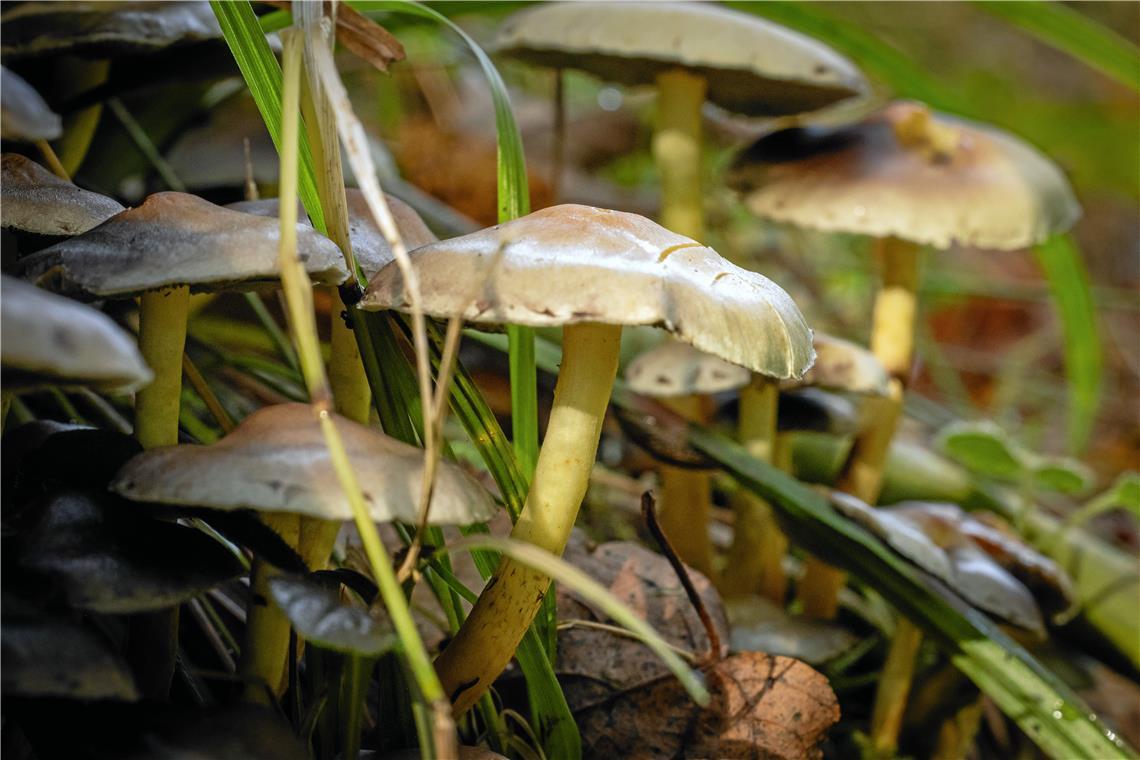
{"x": 198, "y": 382}
{"x": 139, "y": 136}
{"x": 52, "y": 159}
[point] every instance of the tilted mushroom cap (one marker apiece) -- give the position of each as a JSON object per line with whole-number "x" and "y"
{"x": 368, "y": 244}
{"x": 577, "y": 264}
{"x": 177, "y": 239}
{"x": 276, "y": 461}
{"x": 23, "y": 113}
{"x": 678, "y": 369}
{"x": 907, "y": 539}
{"x": 930, "y": 179}
{"x": 841, "y": 365}
{"x": 51, "y": 340}
{"x": 752, "y": 66}
{"x": 32, "y": 199}
{"x": 104, "y": 29}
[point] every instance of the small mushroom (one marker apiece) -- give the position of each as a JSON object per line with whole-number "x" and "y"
{"x": 171, "y": 244}
{"x": 690, "y": 51}
{"x": 276, "y": 461}
{"x": 589, "y": 271}
{"x": 24, "y": 115}
{"x": 32, "y": 199}
{"x": 841, "y": 365}
{"x": 50, "y": 340}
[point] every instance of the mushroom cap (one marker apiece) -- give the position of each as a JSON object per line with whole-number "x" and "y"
{"x": 368, "y": 244}
{"x": 677, "y": 369}
{"x": 930, "y": 179}
{"x": 752, "y": 66}
{"x": 24, "y": 115}
{"x": 50, "y": 340}
{"x": 575, "y": 264}
{"x": 177, "y": 239}
{"x": 841, "y": 365}
{"x": 104, "y": 29}
{"x": 276, "y": 461}
{"x": 32, "y": 199}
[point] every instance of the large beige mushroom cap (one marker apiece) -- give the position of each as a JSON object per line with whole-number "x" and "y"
{"x": 677, "y": 369}
{"x": 24, "y": 115}
{"x": 276, "y": 461}
{"x": 178, "y": 239}
{"x": 32, "y": 199}
{"x": 574, "y": 264}
{"x": 841, "y": 365}
{"x": 903, "y": 172}
{"x": 50, "y": 340}
{"x": 752, "y": 66}
{"x": 368, "y": 244}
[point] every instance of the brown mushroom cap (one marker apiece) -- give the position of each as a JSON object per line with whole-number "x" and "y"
{"x": 752, "y": 66}
{"x": 32, "y": 199}
{"x": 930, "y": 179}
{"x": 24, "y": 115}
{"x": 368, "y": 244}
{"x": 574, "y": 264}
{"x": 177, "y": 239}
{"x": 276, "y": 461}
{"x": 50, "y": 340}
{"x": 677, "y": 369}
{"x": 841, "y": 365}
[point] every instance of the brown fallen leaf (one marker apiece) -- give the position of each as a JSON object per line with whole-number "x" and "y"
{"x": 361, "y": 35}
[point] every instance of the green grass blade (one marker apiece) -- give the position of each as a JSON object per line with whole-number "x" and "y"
{"x": 1072, "y": 32}
{"x": 1064, "y": 268}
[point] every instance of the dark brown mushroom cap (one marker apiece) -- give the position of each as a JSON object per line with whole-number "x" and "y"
{"x": 104, "y": 29}
{"x": 51, "y": 340}
{"x": 930, "y": 179}
{"x": 178, "y": 239}
{"x": 32, "y": 199}
{"x": 24, "y": 115}
{"x": 574, "y": 264}
{"x": 276, "y": 461}
{"x": 368, "y": 244}
{"x": 752, "y": 66}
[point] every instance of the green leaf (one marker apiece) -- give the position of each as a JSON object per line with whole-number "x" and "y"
{"x": 984, "y": 448}
{"x": 1072, "y": 32}
{"x": 1123, "y": 494}
{"x": 1060, "y": 259}
{"x": 1061, "y": 474}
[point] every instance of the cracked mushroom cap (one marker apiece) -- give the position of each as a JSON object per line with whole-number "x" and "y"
{"x": 841, "y": 365}
{"x": 51, "y": 340}
{"x": 752, "y": 66}
{"x": 368, "y": 244}
{"x": 177, "y": 239}
{"x": 24, "y": 115}
{"x": 276, "y": 461}
{"x": 677, "y": 369}
{"x": 32, "y": 199}
{"x": 907, "y": 173}
{"x": 575, "y": 264}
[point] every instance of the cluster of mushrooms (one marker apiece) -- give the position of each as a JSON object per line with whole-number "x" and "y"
{"x": 902, "y": 176}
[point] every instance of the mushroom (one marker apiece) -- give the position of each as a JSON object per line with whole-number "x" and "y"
{"x": 908, "y": 178}
{"x": 684, "y": 379}
{"x": 50, "y": 340}
{"x": 589, "y": 271}
{"x": 690, "y": 51}
{"x": 24, "y": 115}
{"x": 32, "y": 199}
{"x": 171, "y": 244}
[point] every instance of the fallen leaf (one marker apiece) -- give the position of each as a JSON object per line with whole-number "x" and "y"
{"x": 361, "y": 35}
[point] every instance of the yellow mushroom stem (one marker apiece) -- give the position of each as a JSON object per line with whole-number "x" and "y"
{"x": 265, "y": 648}
{"x": 758, "y": 545}
{"x": 488, "y": 639}
{"x": 686, "y": 505}
{"x": 898, "y": 671}
{"x": 677, "y": 151}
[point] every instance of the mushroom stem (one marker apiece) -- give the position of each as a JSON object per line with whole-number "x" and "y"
{"x": 751, "y": 558}
{"x": 892, "y": 342}
{"x": 162, "y": 337}
{"x": 265, "y": 650}
{"x": 894, "y": 686}
{"x": 677, "y": 151}
{"x": 685, "y": 498}
{"x": 488, "y": 639}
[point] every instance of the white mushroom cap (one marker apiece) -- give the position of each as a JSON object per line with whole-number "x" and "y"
{"x": 578, "y": 264}
{"x": 51, "y": 340}
{"x": 752, "y": 66}
{"x": 933, "y": 180}
{"x": 276, "y": 461}
{"x": 368, "y": 244}
{"x": 32, "y": 199}
{"x": 178, "y": 239}
{"x": 24, "y": 115}
{"x": 677, "y": 369}
{"x": 841, "y": 365}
